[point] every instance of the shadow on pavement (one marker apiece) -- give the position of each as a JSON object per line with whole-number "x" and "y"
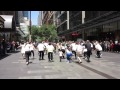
{"x": 15, "y": 52}
{"x": 4, "y": 56}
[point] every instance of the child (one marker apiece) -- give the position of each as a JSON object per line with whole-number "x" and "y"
{"x": 60, "y": 54}
{"x": 69, "y": 54}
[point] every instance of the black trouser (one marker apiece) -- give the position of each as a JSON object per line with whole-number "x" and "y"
{"x": 27, "y": 55}
{"x": 4, "y": 51}
{"x": 98, "y": 54}
{"x": 74, "y": 52}
{"x": 60, "y": 58}
{"x": 85, "y": 54}
{"x": 41, "y": 54}
{"x": 50, "y": 56}
{"x": 63, "y": 50}
{"x": 32, "y": 52}
{"x": 88, "y": 54}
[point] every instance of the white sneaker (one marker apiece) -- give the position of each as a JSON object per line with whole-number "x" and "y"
{"x": 80, "y": 61}
{"x": 27, "y": 63}
{"x": 67, "y": 61}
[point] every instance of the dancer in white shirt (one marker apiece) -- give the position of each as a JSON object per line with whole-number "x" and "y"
{"x": 46, "y": 44}
{"x": 98, "y": 49}
{"x": 23, "y": 49}
{"x": 79, "y": 51}
{"x": 27, "y": 52}
{"x": 32, "y": 48}
{"x": 74, "y": 47}
{"x": 50, "y": 50}
{"x": 41, "y": 48}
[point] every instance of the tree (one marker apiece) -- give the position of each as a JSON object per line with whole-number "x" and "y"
{"x": 34, "y": 32}
{"x": 45, "y": 32}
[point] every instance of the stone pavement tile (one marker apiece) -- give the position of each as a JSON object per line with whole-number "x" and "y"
{"x": 104, "y": 67}
{"x": 48, "y": 67}
{"x": 74, "y": 77}
{"x": 41, "y": 71}
{"x": 30, "y": 77}
{"x": 59, "y": 70}
{"x": 55, "y": 76}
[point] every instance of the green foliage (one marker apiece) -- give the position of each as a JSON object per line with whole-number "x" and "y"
{"x": 45, "y": 32}
{"x": 26, "y": 38}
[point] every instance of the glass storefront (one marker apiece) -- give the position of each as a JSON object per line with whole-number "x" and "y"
{"x": 109, "y": 31}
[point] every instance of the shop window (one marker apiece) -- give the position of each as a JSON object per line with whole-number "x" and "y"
{"x": 106, "y": 28}
{"x": 118, "y": 25}
{"x": 113, "y": 26}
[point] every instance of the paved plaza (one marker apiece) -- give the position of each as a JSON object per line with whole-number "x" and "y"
{"x": 14, "y": 67}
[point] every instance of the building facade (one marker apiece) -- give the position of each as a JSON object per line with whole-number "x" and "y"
{"x": 12, "y": 30}
{"x": 48, "y": 17}
{"x": 92, "y": 25}
{"x": 26, "y": 14}
{"x": 9, "y": 30}
{"x": 40, "y": 18}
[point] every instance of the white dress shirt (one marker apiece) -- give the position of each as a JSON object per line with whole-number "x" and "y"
{"x": 41, "y": 47}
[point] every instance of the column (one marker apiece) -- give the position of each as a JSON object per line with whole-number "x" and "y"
{"x": 68, "y": 20}
{"x": 83, "y": 21}
{"x": 53, "y": 17}
{"x": 83, "y": 17}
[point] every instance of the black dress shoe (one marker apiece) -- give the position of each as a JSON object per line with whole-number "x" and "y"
{"x": 88, "y": 61}
{"x": 52, "y": 61}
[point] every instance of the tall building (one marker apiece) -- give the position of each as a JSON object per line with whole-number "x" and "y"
{"x": 26, "y": 14}
{"x": 92, "y": 25}
{"x": 48, "y": 17}
{"x": 9, "y": 30}
{"x": 24, "y": 22}
{"x": 40, "y": 17}
{"x": 102, "y": 25}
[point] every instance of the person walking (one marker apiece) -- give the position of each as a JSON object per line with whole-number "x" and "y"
{"x": 50, "y": 50}
{"x": 41, "y": 48}
{"x": 27, "y": 52}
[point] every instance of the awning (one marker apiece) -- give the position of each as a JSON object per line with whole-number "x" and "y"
{"x": 1, "y": 19}
{"x": 1, "y": 22}
{"x": 8, "y": 21}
